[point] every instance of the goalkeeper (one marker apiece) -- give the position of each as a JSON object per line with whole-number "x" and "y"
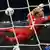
{"x": 36, "y": 13}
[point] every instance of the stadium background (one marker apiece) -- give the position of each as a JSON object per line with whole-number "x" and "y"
{"x": 21, "y": 14}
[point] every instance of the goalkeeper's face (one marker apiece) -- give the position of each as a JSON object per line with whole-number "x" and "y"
{"x": 40, "y": 13}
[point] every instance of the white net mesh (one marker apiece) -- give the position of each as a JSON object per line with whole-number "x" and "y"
{"x": 39, "y": 43}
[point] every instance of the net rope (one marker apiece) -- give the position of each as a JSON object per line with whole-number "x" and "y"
{"x": 39, "y": 43}
{"x": 33, "y": 26}
{"x": 17, "y": 45}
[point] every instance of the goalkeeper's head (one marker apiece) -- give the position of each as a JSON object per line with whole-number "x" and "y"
{"x": 38, "y": 11}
